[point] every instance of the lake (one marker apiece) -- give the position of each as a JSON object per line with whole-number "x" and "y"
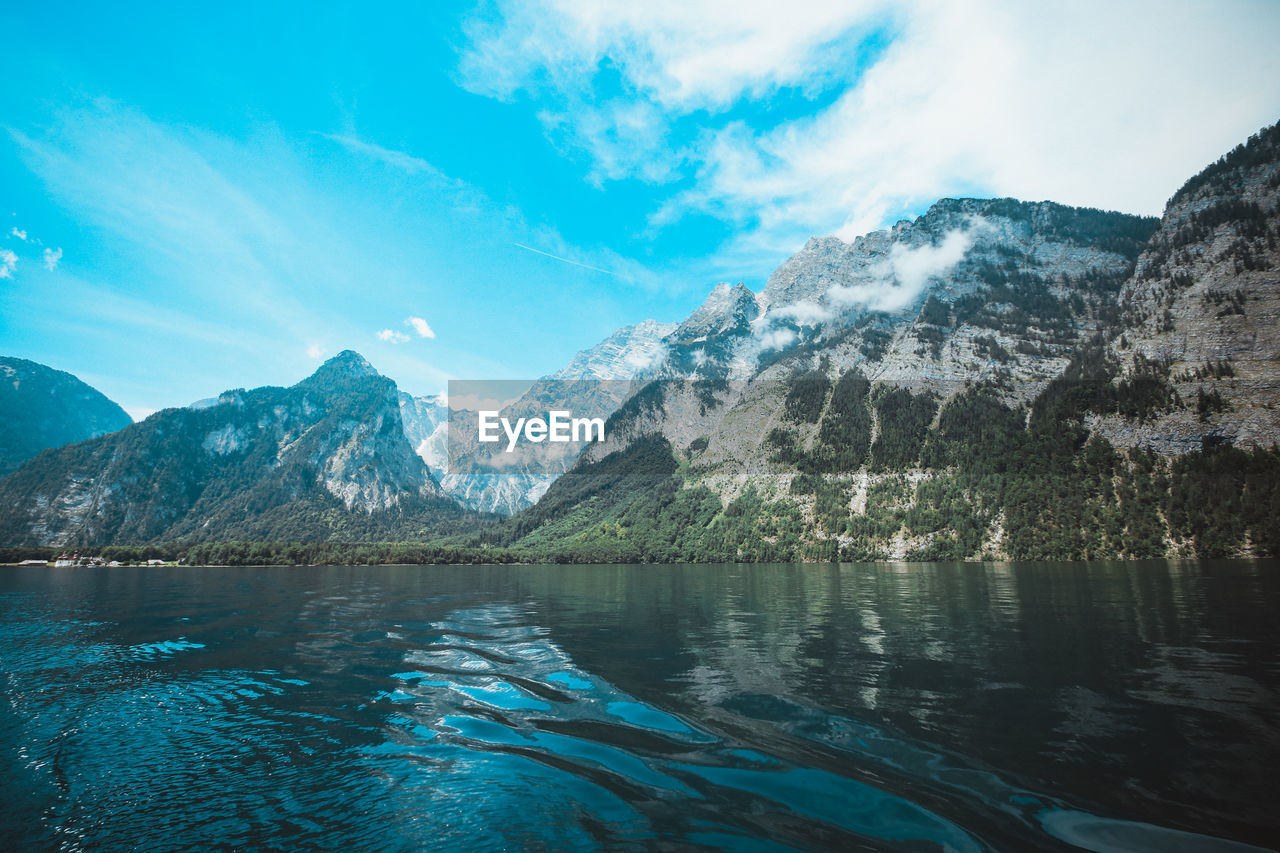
{"x": 1103, "y": 706}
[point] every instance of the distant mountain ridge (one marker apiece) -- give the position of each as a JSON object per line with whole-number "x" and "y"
{"x": 624, "y": 355}
{"x": 325, "y": 458}
{"x": 44, "y": 407}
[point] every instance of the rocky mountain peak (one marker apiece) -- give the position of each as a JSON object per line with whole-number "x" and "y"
{"x": 267, "y": 463}
{"x": 1260, "y": 153}
{"x": 727, "y": 310}
{"x": 622, "y": 355}
{"x": 347, "y": 364}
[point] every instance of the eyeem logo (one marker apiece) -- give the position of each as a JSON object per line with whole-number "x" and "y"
{"x": 521, "y": 428}
{"x": 559, "y": 426}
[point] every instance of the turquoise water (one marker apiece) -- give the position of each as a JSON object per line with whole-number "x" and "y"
{"x": 887, "y": 707}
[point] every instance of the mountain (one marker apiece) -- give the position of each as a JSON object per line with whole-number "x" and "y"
{"x": 324, "y": 459}
{"x": 972, "y": 288}
{"x": 623, "y": 355}
{"x": 1199, "y": 324}
{"x": 426, "y": 425}
{"x": 1027, "y": 282}
{"x": 44, "y": 407}
{"x": 594, "y": 383}
{"x": 994, "y": 379}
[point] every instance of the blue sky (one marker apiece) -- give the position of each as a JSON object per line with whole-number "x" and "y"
{"x": 196, "y": 200}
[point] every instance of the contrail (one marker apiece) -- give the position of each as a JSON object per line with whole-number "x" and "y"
{"x": 567, "y": 261}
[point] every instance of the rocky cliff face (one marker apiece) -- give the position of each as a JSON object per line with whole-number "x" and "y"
{"x": 426, "y": 425}
{"x": 1201, "y": 316}
{"x": 984, "y": 381}
{"x": 974, "y": 289}
{"x": 44, "y": 408}
{"x": 326, "y": 457}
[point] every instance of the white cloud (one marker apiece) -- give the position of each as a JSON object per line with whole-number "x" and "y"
{"x": 640, "y": 359}
{"x": 776, "y": 339}
{"x": 905, "y": 274}
{"x": 392, "y": 336}
{"x": 670, "y": 58}
{"x": 8, "y": 263}
{"x": 21, "y": 235}
{"x": 683, "y": 55}
{"x": 805, "y": 313}
{"x": 895, "y": 284}
{"x": 913, "y": 267}
{"x": 420, "y": 326}
{"x": 51, "y": 258}
{"x": 1091, "y": 103}
{"x": 315, "y": 352}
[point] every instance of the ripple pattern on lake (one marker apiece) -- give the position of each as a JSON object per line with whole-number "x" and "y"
{"x": 379, "y": 710}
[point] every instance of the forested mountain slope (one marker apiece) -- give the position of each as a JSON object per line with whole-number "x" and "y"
{"x": 324, "y": 459}
{"x": 1026, "y": 381}
{"x": 43, "y": 407}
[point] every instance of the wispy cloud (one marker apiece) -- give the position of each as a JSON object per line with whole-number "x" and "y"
{"x": 898, "y": 282}
{"x": 609, "y": 77}
{"x": 81, "y": 305}
{"x": 804, "y": 313}
{"x": 901, "y": 280}
{"x": 566, "y": 260}
{"x": 771, "y": 339}
{"x": 1086, "y": 103}
{"x": 315, "y": 352}
{"x": 162, "y": 193}
{"x": 391, "y": 336}
{"x": 8, "y": 263}
{"x": 398, "y": 160}
{"x": 505, "y": 218}
{"x": 17, "y": 232}
{"x": 275, "y": 239}
{"x": 420, "y": 326}
{"x": 265, "y": 248}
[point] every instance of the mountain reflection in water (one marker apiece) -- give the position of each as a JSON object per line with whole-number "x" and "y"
{"x": 1122, "y": 706}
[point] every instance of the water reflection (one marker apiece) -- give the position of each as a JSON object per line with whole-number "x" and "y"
{"x": 1101, "y": 706}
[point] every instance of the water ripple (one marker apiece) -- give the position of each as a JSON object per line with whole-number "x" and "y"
{"x": 346, "y": 712}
